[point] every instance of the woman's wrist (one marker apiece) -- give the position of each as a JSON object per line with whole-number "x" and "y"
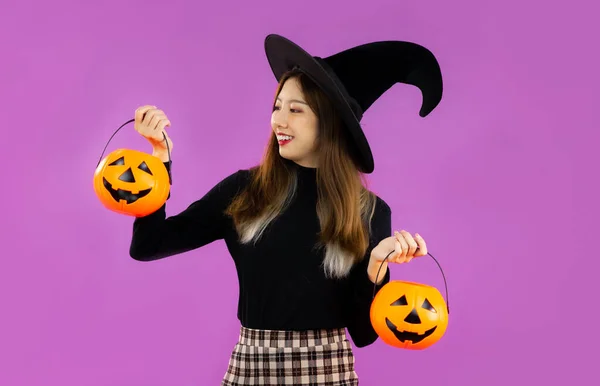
{"x": 161, "y": 154}
{"x": 375, "y": 268}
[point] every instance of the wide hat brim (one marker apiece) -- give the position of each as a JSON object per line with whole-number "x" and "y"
{"x": 283, "y": 55}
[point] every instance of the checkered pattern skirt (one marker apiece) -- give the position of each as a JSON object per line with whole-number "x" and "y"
{"x": 268, "y": 357}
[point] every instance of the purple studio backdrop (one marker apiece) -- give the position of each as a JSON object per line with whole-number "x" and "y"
{"x": 501, "y": 180}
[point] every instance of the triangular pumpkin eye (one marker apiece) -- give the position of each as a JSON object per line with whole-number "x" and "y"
{"x": 426, "y": 305}
{"x": 143, "y": 166}
{"x": 400, "y": 302}
{"x": 127, "y": 176}
{"x": 120, "y": 161}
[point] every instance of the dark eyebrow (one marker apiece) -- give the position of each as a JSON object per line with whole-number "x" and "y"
{"x": 294, "y": 100}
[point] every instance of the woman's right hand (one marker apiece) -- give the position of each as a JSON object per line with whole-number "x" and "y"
{"x": 151, "y": 122}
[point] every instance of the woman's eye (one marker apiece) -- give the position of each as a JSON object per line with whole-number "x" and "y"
{"x": 292, "y": 110}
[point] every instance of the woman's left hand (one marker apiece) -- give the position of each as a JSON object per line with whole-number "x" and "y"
{"x": 405, "y": 247}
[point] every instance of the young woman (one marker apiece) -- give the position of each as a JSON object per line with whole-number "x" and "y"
{"x": 308, "y": 239}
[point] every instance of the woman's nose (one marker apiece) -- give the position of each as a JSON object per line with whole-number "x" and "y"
{"x": 280, "y": 119}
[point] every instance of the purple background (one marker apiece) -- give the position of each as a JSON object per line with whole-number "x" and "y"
{"x": 501, "y": 180}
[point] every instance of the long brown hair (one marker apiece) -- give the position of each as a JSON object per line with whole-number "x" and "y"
{"x": 345, "y": 206}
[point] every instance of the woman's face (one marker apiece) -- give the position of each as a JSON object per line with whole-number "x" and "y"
{"x": 296, "y": 125}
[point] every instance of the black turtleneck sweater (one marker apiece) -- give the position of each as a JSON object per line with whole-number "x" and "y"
{"x": 282, "y": 283}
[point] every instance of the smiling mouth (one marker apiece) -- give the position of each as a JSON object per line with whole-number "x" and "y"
{"x": 403, "y": 336}
{"x": 125, "y": 195}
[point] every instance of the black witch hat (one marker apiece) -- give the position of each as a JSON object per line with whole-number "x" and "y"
{"x": 355, "y": 78}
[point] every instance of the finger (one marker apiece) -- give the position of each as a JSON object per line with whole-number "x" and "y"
{"x": 163, "y": 121}
{"x": 149, "y": 115}
{"x": 166, "y": 119}
{"x": 422, "y": 245}
{"x": 403, "y": 244}
{"x": 156, "y": 117}
{"x": 139, "y": 113}
{"x": 162, "y": 124}
{"x": 397, "y": 251}
{"x": 410, "y": 241}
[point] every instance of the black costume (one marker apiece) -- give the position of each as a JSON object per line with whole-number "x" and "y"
{"x": 292, "y": 316}
{"x": 282, "y": 282}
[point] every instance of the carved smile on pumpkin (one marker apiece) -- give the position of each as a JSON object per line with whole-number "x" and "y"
{"x": 120, "y": 194}
{"x": 127, "y": 176}
{"x": 407, "y": 335}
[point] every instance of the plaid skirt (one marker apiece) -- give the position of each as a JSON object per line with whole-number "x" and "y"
{"x": 268, "y": 357}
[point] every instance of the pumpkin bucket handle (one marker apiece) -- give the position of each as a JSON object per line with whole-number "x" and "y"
{"x": 120, "y": 127}
{"x": 439, "y": 266}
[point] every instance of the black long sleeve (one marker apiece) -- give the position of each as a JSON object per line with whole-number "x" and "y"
{"x": 281, "y": 278}
{"x": 155, "y": 236}
{"x": 359, "y": 324}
